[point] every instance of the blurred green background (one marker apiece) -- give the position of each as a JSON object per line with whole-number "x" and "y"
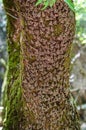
{"x": 78, "y": 73}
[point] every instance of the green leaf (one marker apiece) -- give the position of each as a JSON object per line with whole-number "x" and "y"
{"x": 70, "y": 4}
{"x": 39, "y": 2}
{"x": 46, "y": 3}
{"x": 52, "y": 2}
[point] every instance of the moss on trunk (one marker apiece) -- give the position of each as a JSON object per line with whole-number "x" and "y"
{"x": 13, "y": 102}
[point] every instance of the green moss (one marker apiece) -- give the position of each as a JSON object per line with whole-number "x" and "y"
{"x": 14, "y": 114}
{"x": 8, "y": 3}
{"x": 46, "y": 22}
{"x": 29, "y": 37}
{"x": 13, "y": 102}
{"x": 67, "y": 54}
{"x": 13, "y": 111}
{"x": 32, "y": 59}
{"x": 10, "y": 21}
{"x": 58, "y": 29}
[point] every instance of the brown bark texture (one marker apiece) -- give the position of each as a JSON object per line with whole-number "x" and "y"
{"x": 41, "y": 42}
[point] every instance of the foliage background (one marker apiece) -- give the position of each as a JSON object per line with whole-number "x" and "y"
{"x": 78, "y": 73}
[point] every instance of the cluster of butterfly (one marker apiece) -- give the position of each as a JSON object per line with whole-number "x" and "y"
{"x": 50, "y": 3}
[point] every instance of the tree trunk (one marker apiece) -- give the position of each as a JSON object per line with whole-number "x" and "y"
{"x": 37, "y": 95}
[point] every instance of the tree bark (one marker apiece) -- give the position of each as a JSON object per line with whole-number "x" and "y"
{"x": 37, "y": 95}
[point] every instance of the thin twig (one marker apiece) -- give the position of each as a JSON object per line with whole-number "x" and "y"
{"x": 77, "y": 89}
{"x": 12, "y": 16}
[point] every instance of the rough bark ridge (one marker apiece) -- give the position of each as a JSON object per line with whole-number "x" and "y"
{"x": 39, "y": 63}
